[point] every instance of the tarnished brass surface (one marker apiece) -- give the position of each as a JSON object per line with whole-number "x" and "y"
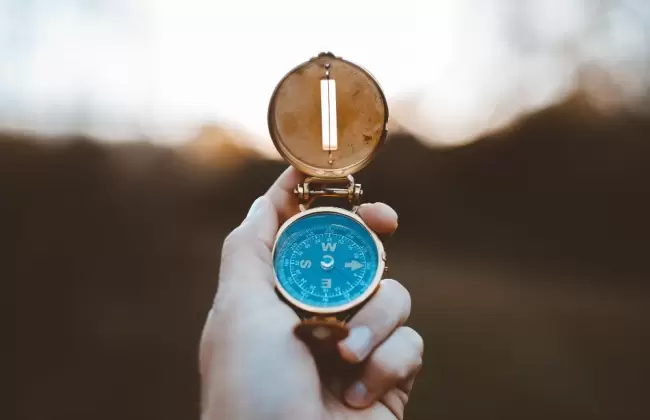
{"x": 295, "y": 117}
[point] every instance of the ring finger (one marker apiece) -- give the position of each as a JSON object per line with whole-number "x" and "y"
{"x": 389, "y": 372}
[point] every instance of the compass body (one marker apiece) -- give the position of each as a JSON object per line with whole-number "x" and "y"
{"x": 327, "y": 118}
{"x": 326, "y": 260}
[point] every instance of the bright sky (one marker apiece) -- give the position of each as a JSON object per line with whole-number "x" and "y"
{"x": 122, "y": 68}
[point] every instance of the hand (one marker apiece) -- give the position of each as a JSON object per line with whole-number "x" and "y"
{"x": 253, "y": 366}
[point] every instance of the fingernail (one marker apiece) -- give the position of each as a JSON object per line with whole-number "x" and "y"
{"x": 255, "y": 207}
{"x": 358, "y": 342}
{"x": 357, "y": 394}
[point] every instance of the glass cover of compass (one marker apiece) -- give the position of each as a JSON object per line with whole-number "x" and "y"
{"x": 326, "y": 260}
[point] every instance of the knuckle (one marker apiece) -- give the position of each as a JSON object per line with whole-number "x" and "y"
{"x": 415, "y": 340}
{"x": 389, "y": 309}
{"x": 401, "y": 357}
{"x": 400, "y": 296}
{"x": 392, "y": 368}
{"x": 260, "y": 251}
{"x": 244, "y": 240}
{"x": 233, "y": 241}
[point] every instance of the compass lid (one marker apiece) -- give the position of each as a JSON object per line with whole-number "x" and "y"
{"x": 327, "y": 117}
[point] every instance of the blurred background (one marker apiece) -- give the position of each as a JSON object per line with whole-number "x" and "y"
{"x": 133, "y": 138}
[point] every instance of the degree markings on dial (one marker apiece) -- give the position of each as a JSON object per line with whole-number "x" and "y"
{"x": 301, "y": 265}
{"x": 326, "y": 284}
{"x": 305, "y": 263}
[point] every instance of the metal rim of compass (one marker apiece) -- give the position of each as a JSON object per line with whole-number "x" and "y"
{"x": 302, "y": 166}
{"x": 374, "y": 284}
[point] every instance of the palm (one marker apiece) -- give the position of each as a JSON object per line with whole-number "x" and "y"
{"x": 295, "y": 369}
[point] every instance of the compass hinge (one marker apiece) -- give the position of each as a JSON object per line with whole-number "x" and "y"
{"x": 314, "y": 187}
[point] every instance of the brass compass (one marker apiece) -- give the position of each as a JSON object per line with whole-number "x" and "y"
{"x": 327, "y": 118}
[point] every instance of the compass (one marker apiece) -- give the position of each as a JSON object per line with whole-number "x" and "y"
{"x": 327, "y": 118}
{"x": 326, "y": 261}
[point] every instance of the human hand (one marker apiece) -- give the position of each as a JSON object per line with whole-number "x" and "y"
{"x": 253, "y": 366}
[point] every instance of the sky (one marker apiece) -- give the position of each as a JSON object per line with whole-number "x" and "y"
{"x": 122, "y": 69}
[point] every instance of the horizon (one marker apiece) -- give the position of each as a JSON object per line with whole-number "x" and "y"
{"x": 123, "y": 70}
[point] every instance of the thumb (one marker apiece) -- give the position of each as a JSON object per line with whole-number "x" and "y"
{"x": 246, "y": 264}
{"x": 262, "y": 218}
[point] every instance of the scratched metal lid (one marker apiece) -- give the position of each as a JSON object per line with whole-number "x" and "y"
{"x": 327, "y": 117}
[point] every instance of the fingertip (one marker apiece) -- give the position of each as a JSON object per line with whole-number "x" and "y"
{"x": 380, "y": 217}
{"x": 347, "y": 354}
{"x": 357, "y": 345}
{"x": 357, "y": 395}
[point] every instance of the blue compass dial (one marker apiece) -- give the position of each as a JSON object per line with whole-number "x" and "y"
{"x": 326, "y": 259}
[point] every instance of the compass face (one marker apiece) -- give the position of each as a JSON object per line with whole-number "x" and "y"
{"x": 326, "y": 261}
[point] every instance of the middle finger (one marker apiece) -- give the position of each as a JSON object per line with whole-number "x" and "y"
{"x": 388, "y": 309}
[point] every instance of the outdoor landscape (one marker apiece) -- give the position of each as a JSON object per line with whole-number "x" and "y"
{"x": 525, "y": 252}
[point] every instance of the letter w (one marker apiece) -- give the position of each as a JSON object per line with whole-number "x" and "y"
{"x": 331, "y": 247}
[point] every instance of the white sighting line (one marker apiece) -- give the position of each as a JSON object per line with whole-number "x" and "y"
{"x": 328, "y": 114}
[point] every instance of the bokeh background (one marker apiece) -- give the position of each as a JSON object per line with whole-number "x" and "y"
{"x": 133, "y": 139}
